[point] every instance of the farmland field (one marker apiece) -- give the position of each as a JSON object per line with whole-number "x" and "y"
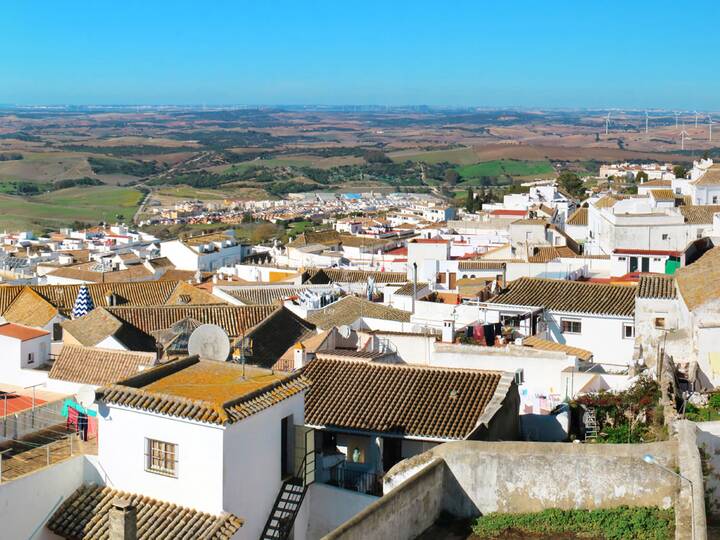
{"x": 60, "y": 208}
{"x": 506, "y": 168}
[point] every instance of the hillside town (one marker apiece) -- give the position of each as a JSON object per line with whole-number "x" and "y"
{"x": 401, "y": 353}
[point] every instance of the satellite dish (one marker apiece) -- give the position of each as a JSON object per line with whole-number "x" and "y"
{"x": 345, "y": 331}
{"x": 209, "y": 342}
{"x": 85, "y": 395}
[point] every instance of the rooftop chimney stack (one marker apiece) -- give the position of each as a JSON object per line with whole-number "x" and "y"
{"x": 448, "y": 332}
{"x": 122, "y": 520}
{"x": 300, "y": 356}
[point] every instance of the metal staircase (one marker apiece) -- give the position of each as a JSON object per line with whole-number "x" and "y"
{"x": 289, "y": 500}
{"x": 590, "y": 421}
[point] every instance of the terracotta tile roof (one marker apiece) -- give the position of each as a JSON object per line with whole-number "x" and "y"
{"x": 84, "y": 516}
{"x": 349, "y": 309}
{"x": 570, "y": 296}
{"x": 710, "y": 178}
{"x": 407, "y": 289}
{"x": 656, "y": 183}
{"x": 546, "y": 345}
{"x": 547, "y": 254}
{"x": 83, "y": 273}
{"x": 662, "y": 194}
{"x": 339, "y": 275}
{"x": 481, "y": 265}
{"x": 326, "y": 237}
{"x": 656, "y": 286}
{"x": 88, "y": 365}
{"x": 699, "y": 282}
{"x": 30, "y": 309}
{"x": 530, "y": 221}
{"x": 233, "y": 319}
{"x": 608, "y": 201}
{"x": 579, "y": 217}
{"x": 699, "y": 215}
{"x": 264, "y": 294}
{"x": 400, "y": 399}
{"x": 277, "y": 333}
{"x": 100, "y": 324}
{"x": 8, "y": 294}
{"x": 189, "y": 388}
{"x": 184, "y": 294}
{"x": 23, "y": 333}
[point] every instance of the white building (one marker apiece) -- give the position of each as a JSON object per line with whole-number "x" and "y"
{"x": 205, "y": 253}
{"x": 24, "y": 351}
{"x": 702, "y": 184}
{"x": 198, "y": 434}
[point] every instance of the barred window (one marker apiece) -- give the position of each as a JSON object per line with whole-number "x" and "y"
{"x": 161, "y": 457}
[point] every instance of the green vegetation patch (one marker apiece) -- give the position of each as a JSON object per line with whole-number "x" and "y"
{"x": 506, "y": 167}
{"x": 641, "y": 523}
{"x": 102, "y": 165}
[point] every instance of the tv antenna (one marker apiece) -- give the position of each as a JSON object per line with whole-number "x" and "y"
{"x": 209, "y": 342}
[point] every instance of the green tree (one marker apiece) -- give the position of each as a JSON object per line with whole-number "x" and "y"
{"x": 641, "y": 177}
{"x": 470, "y": 201}
{"x": 679, "y": 171}
{"x": 451, "y": 177}
{"x": 571, "y": 183}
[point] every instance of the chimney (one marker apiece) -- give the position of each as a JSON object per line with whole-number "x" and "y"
{"x": 122, "y": 520}
{"x": 448, "y": 331}
{"x": 299, "y": 356}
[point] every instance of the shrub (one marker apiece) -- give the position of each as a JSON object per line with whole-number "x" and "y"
{"x": 642, "y": 523}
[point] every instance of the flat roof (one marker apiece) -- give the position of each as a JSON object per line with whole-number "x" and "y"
{"x": 23, "y": 333}
{"x": 212, "y": 381}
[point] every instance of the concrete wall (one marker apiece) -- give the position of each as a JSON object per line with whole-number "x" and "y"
{"x": 708, "y": 439}
{"x": 325, "y": 508}
{"x": 472, "y": 478}
{"x": 691, "y": 504}
{"x": 27, "y": 502}
{"x": 401, "y": 513}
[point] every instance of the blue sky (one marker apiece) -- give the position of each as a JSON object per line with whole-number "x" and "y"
{"x": 540, "y": 53}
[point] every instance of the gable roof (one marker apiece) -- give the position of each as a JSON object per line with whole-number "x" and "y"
{"x": 401, "y": 399}
{"x": 235, "y": 320}
{"x": 710, "y": 178}
{"x": 570, "y": 296}
{"x": 341, "y": 275}
{"x": 699, "y": 282}
{"x": 349, "y": 309}
{"x": 699, "y": 215}
{"x": 579, "y": 217}
{"x": 87, "y": 365}
{"x": 550, "y": 253}
{"x": 100, "y": 324}
{"x": 84, "y": 515}
{"x": 264, "y": 294}
{"x": 275, "y": 334}
{"x": 203, "y": 390}
{"x": 409, "y": 287}
{"x": 30, "y": 309}
{"x": 326, "y": 237}
{"x": 656, "y": 286}
{"x": 662, "y": 194}
{"x": 23, "y": 333}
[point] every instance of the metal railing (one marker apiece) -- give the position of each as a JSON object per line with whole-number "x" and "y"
{"x": 355, "y": 480}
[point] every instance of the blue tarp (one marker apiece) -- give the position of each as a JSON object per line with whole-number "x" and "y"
{"x": 75, "y": 405}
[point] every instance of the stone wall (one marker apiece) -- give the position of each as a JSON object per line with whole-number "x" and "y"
{"x": 691, "y": 504}
{"x": 470, "y": 478}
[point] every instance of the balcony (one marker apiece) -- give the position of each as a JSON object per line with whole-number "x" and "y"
{"x": 361, "y": 481}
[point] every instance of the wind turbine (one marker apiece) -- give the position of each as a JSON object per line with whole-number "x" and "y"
{"x": 607, "y": 123}
{"x": 696, "y": 117}
{"x": 646, "y": 121}
{"x": 683, "y": 134}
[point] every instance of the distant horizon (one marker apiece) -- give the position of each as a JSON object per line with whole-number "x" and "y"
{"x": 534, "y": 55}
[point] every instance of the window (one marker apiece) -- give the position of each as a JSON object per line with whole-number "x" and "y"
{"x": 571, "y": 326}
{"x": 715, "y": 199}
{"x": 628, "y": 331}
{"x": 665, "y": 236}
{"x": 161, "y": 457}
{"x": 31, "y": 358}
{"x": 519, "y": 376}
{"x": 659, "y": 322}
{"x": 57, "y": 332}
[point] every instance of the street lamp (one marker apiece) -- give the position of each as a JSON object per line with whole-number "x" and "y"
{"x": 649, "y": 458}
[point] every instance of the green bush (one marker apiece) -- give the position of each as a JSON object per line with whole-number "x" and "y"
{"x": 611, "y": 524}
